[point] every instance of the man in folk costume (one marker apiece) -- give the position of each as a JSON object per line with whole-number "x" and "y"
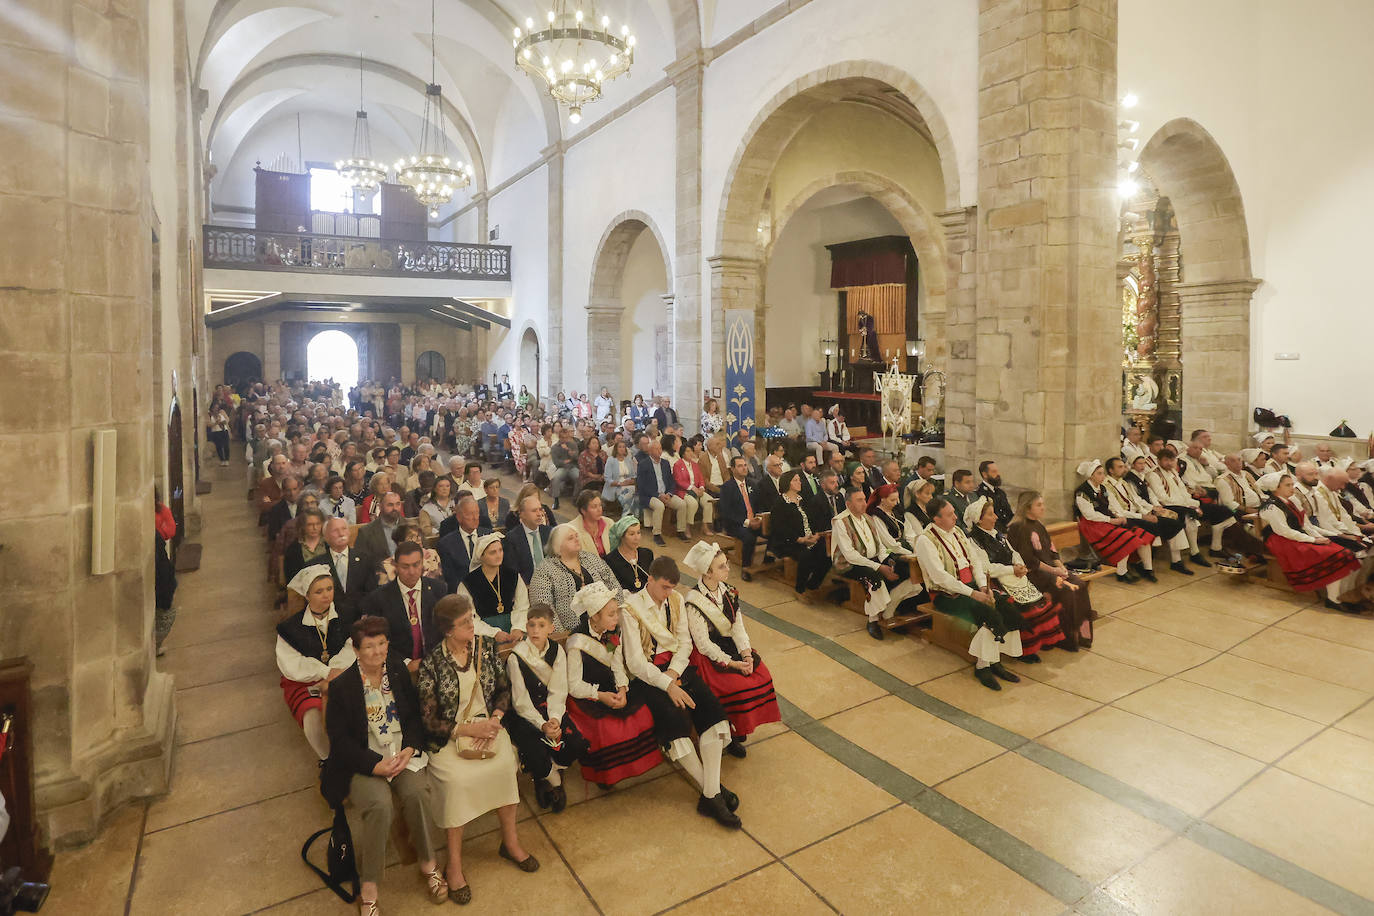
{"x": 658, "y": 654}
{"x": 1278, "y": 461}
{"x": 1326, "y": 457}
{"x": 1107, "y": 530}
{"x": 1133, "y": 444}
{"x": 865, "y": 551}
{"x": 1358, "y": 495}
{"x": 546, "y": 741}
{"x": 1332, "y": 516}
{"x": 1167, "y": 490}
{"x": 1236, "y": 492}
{"x": 1209, "y": 457}
{"x": 953, "y": 571}
{"x": 1309, "y": 558}
{"x": 1201, "y": 483}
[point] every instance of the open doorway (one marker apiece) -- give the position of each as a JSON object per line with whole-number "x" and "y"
{"x": 333, "y": 355}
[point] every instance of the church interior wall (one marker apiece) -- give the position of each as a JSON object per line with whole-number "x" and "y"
{"x": 245, "y": 336}
{"x": 1300, "y": 155}
{"x": 521, "y": 212}
{"x": 628, "y": 165}
{"x": 645, "y": 283}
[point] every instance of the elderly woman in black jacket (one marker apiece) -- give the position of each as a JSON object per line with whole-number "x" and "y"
{"x": 376, "y": 760}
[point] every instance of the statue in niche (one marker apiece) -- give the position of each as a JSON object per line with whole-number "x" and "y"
{"x": 1146, "y": 393}
{"x": 868, "y": 339}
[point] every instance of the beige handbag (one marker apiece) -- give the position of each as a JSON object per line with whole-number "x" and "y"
{"x": 467, "y": 746}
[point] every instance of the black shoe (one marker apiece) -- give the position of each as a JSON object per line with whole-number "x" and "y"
{"x": 731, "y": 799}
{"x": 717, "y": 809}
{"x": 987, "y": 678}
{"x": 736, "y": 749}
{"x": 543, "y": 793}
{"x": 1149, "y": 575}
{"x": 874, "y": 630}
{"x": 746, "y": 575}
{"x": 1351, "y": 607}
{"x": 998, "y": 669}
{"x": 1128, "y": 579}
{"x": 529, "y": 864}
{"x": 560, "y": 800}
{"x": 555, "y": 504}
{"x": 658, "y": 539}
{"x": 1180, "y": 568}
{"x": 1199, "y": 560}
{"x": 1031, "y": 659}
{"x": 1219, "y": 554}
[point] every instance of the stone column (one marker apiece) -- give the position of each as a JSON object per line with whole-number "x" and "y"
{"x": 952, "y": 348}
{"x": 760, "y": 362}
{"x": 481, "y": 355}
{"x": 483, "y": 202}
{"x": 1215, "y": 334}
{"x": 554, "y": 340}
{"x": 603, "y": 362}
{"x": 686, "y": 75}
{"x": 407, "y": 353}
{"x": 76, "y": 320}
{"x": 271, "y": 351}
{"x": 1048, "y": 334}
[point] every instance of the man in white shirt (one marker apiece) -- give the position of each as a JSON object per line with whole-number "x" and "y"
{"x": 1210, "y": 459}
{"x": 1326, "y": 457}
{"x": 958, "y": 585}
{"x": 1133, "y": 445}
{"x": 1201, "y": 484}
{"x": 605, "y": 406}
{"x": 867, "y": 553}
{"x": 1167, "y": 490}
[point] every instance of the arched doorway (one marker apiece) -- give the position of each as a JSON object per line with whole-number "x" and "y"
{"x": 1189, "y": 212}
{"x": 629, "y": 305}
{"x": 431, "y": 365}
{"x": 788, "y": 156}
{"x": 242, "y": 368}
{"x": 529, "y": 361}
{"x": 332, "y": 355}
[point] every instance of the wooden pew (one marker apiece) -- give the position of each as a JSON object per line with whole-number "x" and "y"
{"x": 1065, "y": 535}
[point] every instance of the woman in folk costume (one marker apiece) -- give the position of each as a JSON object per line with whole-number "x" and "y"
{"x": 1007, "y": 575}
{"x": 917, "y": 519}
{"x": 953, "y": 570}
{"x": 882, "y": 507}
{"x": 1136, "y": 478}
{"x": 497, "y": 592}
{"x": 545, "y": 738}
{"x": 1049, "y": 574}
{"x": 1106, "y": 531}
{"x": 1308, "y": 557}
{"x": 619, "y": 731}
{"x": 657, "y": 646}
{"x": 313, "y": 648}
{"x": 722, "y": 653}
{"x": 627, "y": 559}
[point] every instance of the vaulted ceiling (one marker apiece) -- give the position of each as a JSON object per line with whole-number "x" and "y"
{"x": 283, "y": 78}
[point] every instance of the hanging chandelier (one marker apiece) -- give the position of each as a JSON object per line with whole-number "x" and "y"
{"x": 573, "y": 53}
{"x": 359, "y": 171}
{"x": 431, "y": 174}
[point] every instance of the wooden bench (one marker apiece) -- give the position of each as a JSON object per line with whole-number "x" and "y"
{"x": 1065, "y": 535}
{"x": 858, "y": 597}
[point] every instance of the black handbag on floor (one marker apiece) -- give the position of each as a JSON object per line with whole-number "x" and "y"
{"x": 338, "y": 857}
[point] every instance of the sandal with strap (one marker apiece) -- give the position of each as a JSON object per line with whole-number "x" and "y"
{"x": 436, "y": 886}
{"x": 368, "y": 908}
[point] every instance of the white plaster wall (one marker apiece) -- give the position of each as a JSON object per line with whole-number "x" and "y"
{"x": 646, "y": 280}
{"x": 801, "y": 304}
{"x": 522, "y": 212}
{"x": 1285, "y": 93}
{"x": 935, "y": 41}
{"x": 630, "y": 165}
{"x": 517, "y": 138}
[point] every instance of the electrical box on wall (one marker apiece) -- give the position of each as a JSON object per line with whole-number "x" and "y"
{"x": 1287, "y": 356}
{"x": 493, "y": 233}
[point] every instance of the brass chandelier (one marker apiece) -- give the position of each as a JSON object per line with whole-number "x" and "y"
{"x": 573, "y": 53}
{"x": 359, "y": 171}
{"x": 431, "y": 173}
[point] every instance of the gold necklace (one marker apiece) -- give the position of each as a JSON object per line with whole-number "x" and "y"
{"x": 324, "y": 646}
{"x": 492, "y": 584}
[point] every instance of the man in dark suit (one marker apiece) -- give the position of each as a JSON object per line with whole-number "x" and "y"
{"x": 407, "y": 603}
{"x": 873, "y": 475}
{"x": 354, "y": 574}
{"x": 284, "y": 509}
{"x": 665, "y": 415}
{"x": 455, "y": 548}
{"x": 526, "y": 539}
{"x": 738, "y": 514}
{"x": 656, "y": 488}
{"x": 828, "y": 503}
{"x": 374, "y": 539}
{"x": 811, "y": 484}
{"x": 991, "y": 487}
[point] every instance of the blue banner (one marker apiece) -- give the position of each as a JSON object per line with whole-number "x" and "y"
{"x": 740, "y": 406}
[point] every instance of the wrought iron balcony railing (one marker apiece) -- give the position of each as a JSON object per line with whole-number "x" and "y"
{"x": 303, "y": 252}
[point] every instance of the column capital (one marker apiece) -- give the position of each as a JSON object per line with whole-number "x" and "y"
{"x": 956, "y": 222}
{"x": 688, "y": 67}
{"x": 725, "y": 262}
{"x": 554, "y": 150}
{"x": 603, "y": 310}
{"x": 1217, "y": 289}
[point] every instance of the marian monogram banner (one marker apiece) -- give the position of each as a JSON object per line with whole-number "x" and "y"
{"x": 739, "y": 370}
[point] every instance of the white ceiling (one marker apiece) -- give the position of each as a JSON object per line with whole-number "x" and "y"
{"x": 260, "y": 61}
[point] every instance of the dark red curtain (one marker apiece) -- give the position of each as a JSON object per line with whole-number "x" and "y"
{"x": 869, "y": 268}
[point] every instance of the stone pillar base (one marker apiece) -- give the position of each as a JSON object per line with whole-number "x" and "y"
{"x": 133, "y": 763}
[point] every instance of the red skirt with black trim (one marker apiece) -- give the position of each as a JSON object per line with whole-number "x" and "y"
{"x": 1040, "y": 625}
{"x": 1310, "y": 566}
{"x": 621, "y": 740}
{"x": 749, "y": 700}
{"x": 1114, "y": 543}
{"x": 299, "y": 699}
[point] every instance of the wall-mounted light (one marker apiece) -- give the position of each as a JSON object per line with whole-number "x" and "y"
{"x": 916, "y": 348}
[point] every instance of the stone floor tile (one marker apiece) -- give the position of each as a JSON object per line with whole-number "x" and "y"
{"x": 94, "y": 880}
{"x": 773, "y": 888}
{"x": 1360, "y": 722}
{"x": 1336, "y": 626}
{"x": 1088, "y": 674}
{"x": 1148, "y": 649}
{"x": 1337, "y": 760}
{"x": 818, "y": 685}
{"x": 921, "y": 745}
{"x": 823, "y": 618}
{"x": 1294, "y": 693}
{"x": 1029, "y": 708}
{"x": 1194, "y": 624}
{"x": 1317, "y": 658}
{"x": 229, "y": 706}
{"x": 907, "y": 657}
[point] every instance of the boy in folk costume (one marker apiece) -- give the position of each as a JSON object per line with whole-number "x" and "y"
{"x": 722, "y": 654}
{"x": 953, "y": 570}
{"x": 619, "y": 728}
{"x": 658, "y": 653}
{"x": 863, "y": 550}
{"x": 546, "y": 741}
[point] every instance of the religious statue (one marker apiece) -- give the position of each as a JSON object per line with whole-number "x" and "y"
{"x": 1146, "y": 393}
{"x": 868, "y": 339}
{"x": 894, "y": 389}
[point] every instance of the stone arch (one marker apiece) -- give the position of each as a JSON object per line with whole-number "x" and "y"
{"x": 1187, "y": 165}
{"x": 241, "y": 367}
{"x": 431, "y": 364}
{"x": 605, "y": 308}
{"x": 529, "y": 360}
{"x": 737, "y": 266}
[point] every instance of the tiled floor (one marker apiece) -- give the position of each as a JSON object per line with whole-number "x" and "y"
{"x": 1214, "y": 753}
